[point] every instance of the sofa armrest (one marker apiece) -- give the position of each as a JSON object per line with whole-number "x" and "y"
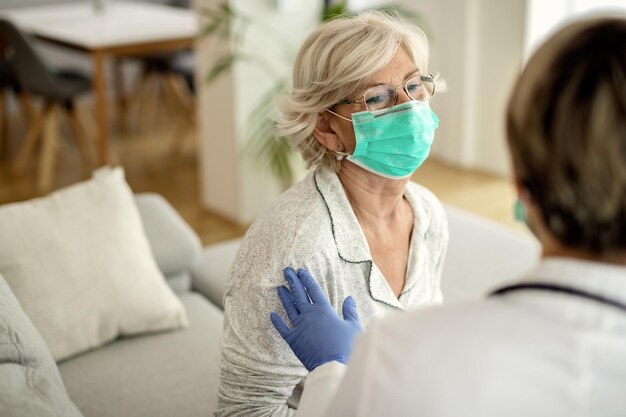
{"x": 175, "y": 246}
{"x": 209, "y": 275}
{"x": 482, "y": 255}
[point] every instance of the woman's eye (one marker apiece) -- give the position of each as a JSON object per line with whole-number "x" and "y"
{"x": 375, "y": 99}
{"x": 413, "y": 87}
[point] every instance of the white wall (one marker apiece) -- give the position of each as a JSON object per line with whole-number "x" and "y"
{"x": 477, "y": 46}
{"x": 232, "y": 184}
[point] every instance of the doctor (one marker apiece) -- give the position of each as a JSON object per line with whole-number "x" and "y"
{"x": 553, "y": 344}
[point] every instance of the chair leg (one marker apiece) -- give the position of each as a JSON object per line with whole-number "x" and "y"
{"x": 79, "y": 131}
{"x": 88, "y": 122}
{"x": 181, "y": 91}
{"x": 135, "y": 100}
{"x": 150, "y": 101}
{"x": 26, "y": 107}
{"x": 171, "y": 99}
{"x": 32, "y": 137}
{"x": 121, "y": 97}
{"x": 3, "y": 126}
{"x": 92, "y": 130}
{"x": 50, "y": 143}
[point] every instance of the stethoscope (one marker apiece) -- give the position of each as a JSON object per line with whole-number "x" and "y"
{"x": 574, "y": 292}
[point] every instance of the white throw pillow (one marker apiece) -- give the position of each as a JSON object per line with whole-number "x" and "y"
{"x": 80, "y": 265}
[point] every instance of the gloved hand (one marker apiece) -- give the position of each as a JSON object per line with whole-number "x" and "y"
{"x": 319, "y": 335}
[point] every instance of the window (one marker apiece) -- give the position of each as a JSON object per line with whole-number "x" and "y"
{"x": 544, "y": 17}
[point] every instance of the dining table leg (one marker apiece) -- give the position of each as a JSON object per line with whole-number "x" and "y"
{"x": 121, "y": 107}
{"x": 101, "y": 108}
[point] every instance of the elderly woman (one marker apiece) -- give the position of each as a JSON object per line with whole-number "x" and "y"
{"x": 359, "y": 114}
{"x": 553, "y": 344}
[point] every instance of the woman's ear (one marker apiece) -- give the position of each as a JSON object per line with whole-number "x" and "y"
{"x": 325, "y": 134}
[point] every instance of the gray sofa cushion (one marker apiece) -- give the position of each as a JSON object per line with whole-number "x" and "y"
{"x": 30, "y": 384}
{"x": 210, "y": 272}
{"x": 179, "y": 282}
{"x": 483, "y": 255}
{"x": 175, "y": 245}
{"x": 159, "y": 375}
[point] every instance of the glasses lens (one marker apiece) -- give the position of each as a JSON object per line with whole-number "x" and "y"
{"x": 421, "y": 87}
{"x": 379, "y": 97}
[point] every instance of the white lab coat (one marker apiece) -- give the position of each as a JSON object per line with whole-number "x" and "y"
{"x": 526, "y": 353}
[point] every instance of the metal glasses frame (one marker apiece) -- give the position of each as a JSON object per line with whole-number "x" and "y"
{"x": 428, "y": 77}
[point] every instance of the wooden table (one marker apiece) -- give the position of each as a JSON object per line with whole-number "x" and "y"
{"x": 125, "y": 28}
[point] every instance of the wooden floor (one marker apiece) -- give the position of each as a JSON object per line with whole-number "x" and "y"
{"x": 487, "y": 195}
{"x": 150, "y": 167}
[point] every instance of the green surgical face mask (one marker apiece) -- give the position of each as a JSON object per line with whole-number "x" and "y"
{"x": 519, "y": 212}
{"x": 394, "y": 142}
{"x": 521, "y": 215}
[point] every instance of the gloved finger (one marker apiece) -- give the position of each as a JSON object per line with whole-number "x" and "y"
{"x": 349, "y": 310}
{"x": 289, "y": 303}
{"x": 312, "y": 287}
{"x": 297, "y": 290}
{"x": 280, "y": 325}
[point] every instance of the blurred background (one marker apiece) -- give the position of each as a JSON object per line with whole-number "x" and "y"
{"x": 180, "y": 92}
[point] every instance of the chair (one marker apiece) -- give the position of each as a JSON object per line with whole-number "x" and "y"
{"x": 58, "y": 91}
{"x": 8, "y": 83}
{"x": 158, "y": 72}
{"x": 184, "y": 88}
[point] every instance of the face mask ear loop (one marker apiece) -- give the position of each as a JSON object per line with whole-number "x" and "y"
{"x": 338, "y": 115}
{"x": 339, "y": 155}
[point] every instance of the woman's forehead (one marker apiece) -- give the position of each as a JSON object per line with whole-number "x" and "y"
{"x": 397, "y": 70}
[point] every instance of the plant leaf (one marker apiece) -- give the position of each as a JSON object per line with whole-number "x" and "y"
{"x": 333, "y": 11}
{"x": 222, "y": 65}
{"x": 211, "y": 27}
{"x": 264, "y": 146}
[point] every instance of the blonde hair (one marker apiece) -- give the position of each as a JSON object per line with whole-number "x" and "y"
{"x": 335, "y": 63}
{"x": 566, "y": 129}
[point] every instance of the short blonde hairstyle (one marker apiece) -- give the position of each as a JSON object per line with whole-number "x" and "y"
{"x": 335, "y": 63}
{"x": 566, "y": 128}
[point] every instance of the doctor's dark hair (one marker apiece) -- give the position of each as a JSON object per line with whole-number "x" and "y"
{"x": 335, "y": 63}
{"x": 566, "y": 128}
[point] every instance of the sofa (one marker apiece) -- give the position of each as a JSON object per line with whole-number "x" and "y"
{"x": 176, "y": 373}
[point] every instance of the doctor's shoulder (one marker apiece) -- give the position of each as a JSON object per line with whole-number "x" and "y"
{"x": 464, "y": 331}
{"x": 473, "y": 356}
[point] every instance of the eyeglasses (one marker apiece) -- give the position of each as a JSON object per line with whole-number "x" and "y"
{"x": 421, "y": 88}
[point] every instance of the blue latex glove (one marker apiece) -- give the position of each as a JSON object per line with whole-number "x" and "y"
{"x": 319, "y": 335}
